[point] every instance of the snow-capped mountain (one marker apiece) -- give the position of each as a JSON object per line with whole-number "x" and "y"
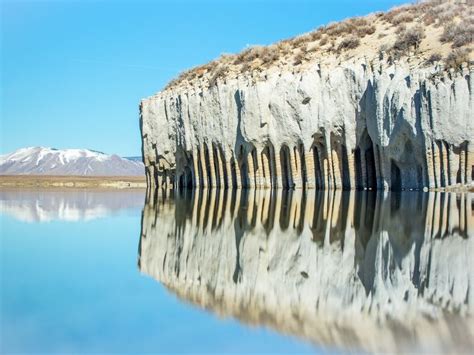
{"x": 77, "y": 162}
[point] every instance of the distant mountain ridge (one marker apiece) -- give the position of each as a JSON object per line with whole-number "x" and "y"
{"x": 77, "y": 162}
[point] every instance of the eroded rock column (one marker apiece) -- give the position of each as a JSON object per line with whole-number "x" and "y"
{"x": 295, "y": 163}
{"x": 310, "y": 172}
{"x": 203, "y": 164}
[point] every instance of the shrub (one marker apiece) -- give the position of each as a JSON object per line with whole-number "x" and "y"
{"x": 219, "y": 72}
{"x": 456, "y": 58}
{"x": 409, "y": 38}
{"x": 349, "y": 42}
{"x": 459, "y": 35}
{"x": 435, "y": 57}
{"x": 402, "y": 17}
{"x": 299, "y": 58}
{"x": 269, "y": 55}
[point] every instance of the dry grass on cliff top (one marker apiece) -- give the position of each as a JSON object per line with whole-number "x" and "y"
{"x": 432, "y": 31}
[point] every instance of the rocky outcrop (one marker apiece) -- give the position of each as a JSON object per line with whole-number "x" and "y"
{"x": 357, "y": 124}
{"x": 377, "y": 102}
{"x": 360, "y": 271}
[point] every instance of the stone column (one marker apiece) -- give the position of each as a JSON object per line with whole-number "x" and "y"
{"x": 462, "y": 164}
{"x": 436, "y": 164}
{"x": 295, "y": 163}
{"x": 325, "y": 169}
{"x": 430, "y": 183}
{"x": 310, "y": 172}
{"x": 212, "y": 166}
{"x": 265, "y": 163}
{"x": 352, "y": 169}
{"x": 336, "y": 167}
{"x": 453, "y": 165}
{"x": 328, "y": 167}
{"x": 220, "y": 167}
{"x": 203, "y": 164}
{"x": 469, "y": 162}
{"x": 228, "y": 169}
{"x": 258, "y": 168}
{"x": 196, "y": 174}
{"x": 251, "y": 171}
{"x": 238, "y": 177}
{"x": 278, "y": 177}
{"x": 444, "y": 164}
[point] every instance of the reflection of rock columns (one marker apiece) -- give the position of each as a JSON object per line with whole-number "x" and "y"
{"x": 295, "y": 163}
{"x": 196, "y": 174}
{"x": 212, "y": 204}
{"x": 278, "y": 177}
{"x": 212, "y": 166}
{"x": 310, "y": 172}
{"x": 203, "y": 166}
{"x": 251, "y": 171}
{"x": 250, "y": 206}
{"x": 220, "y": 166}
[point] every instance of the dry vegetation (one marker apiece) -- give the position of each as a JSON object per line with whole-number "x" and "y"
{"x": 438, "y": 31}
{"x": 119, "y": 182}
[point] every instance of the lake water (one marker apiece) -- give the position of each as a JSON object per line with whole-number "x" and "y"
{"x": 244, "y": 271}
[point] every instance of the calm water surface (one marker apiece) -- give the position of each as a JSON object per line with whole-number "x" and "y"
{"x": 247, "y": 271}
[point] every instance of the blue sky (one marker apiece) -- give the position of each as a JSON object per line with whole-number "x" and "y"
{"x": 73, "y": 72}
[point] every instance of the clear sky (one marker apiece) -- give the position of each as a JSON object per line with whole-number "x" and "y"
{"x": 73, "y": 72}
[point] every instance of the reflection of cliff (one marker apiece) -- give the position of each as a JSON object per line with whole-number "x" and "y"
{"x": 72, "y": 205}
{"x": 340, "y": 269}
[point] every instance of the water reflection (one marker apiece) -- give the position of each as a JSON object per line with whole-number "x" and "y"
{"x": 43, "y": 205}
{"x": 356, "y": 270}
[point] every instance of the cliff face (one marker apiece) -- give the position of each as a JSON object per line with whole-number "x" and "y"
{"x": 354, "y": 125}
{"x": 365, "y": 271}
{"x": 354, "y": 120}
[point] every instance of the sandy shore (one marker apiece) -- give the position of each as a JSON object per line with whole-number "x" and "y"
{"x": 117, "y": 182}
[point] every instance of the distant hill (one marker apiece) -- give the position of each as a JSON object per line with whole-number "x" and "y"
{"x": 77, "y": 162}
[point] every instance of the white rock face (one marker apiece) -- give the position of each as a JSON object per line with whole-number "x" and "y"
{"x": 78, "y": 162}
{"x": 361, "y": 123}
{"x": 360, "y": 272}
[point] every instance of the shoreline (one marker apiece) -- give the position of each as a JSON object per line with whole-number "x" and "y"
{"x": 59, "y": 181}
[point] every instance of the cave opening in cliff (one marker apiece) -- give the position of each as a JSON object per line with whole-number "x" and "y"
{"x": 395, "y": 177}
{"x": 318, "y": 169}
{"x": 346, "y": 179}
{"x": 285, "y": 167}
{"x": 370, "y": 166}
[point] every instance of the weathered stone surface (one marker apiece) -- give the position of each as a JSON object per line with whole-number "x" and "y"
{"x": 370, "y": 125}
{"x": 377, "y": 272}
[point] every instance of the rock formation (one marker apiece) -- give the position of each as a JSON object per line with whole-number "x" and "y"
{"x": 356, "y": 270}
{"x": 357, "y": 118}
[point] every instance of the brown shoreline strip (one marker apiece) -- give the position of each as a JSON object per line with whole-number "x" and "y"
{"x": 118, "y": 182}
